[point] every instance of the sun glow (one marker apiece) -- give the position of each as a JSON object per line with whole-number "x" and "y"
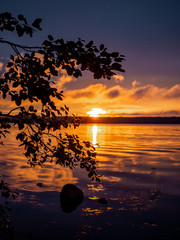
{"x": 95, "y": 112}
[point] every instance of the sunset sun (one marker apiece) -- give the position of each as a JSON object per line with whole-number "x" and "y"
{"x": 95, "y": 112}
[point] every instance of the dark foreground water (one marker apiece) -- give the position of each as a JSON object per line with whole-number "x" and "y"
{"x": 140, "y": 165}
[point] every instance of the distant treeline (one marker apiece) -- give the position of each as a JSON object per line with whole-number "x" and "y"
{"x": 113, "y": 120}
{"x": 132, "y": 120}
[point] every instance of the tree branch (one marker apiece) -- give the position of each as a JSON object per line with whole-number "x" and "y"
{"x": 15, "y": 46}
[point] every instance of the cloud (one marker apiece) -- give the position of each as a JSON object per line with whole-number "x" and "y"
{"x": 1, "y": 66}
{"x": 83, "y": 94}
{"x": 113, "y": 94}
{"x": 116, "y": 100}
{"x": 135, "y": 83}
{"x": 168, "y": 113}
{"x": 63, "y": 79}
{"x": 145, "y": 91}
{"x": 173, "y": 92}
{"x": 118, "y": 78}
{"x": 91, "y": 92}
{"x": 137, "y": 100}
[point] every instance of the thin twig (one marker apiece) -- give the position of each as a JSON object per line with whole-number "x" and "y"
{"x": 13, "y": 110}
{"x": 15, "y": 46}
{"x": 40, "y": 139}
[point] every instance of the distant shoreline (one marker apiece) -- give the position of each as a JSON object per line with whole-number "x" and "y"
{"x": 132, "y": 120}
{"x": 115, "y": 120}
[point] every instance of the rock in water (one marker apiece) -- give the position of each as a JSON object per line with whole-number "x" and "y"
{"x": 70, "y": 197}
{"x": 39, "y": 184}
{"x": 102, "y": 201}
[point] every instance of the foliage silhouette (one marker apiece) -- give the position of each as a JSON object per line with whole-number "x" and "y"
{"x": 5, "y": 222}
{"x": 29, "y": 77}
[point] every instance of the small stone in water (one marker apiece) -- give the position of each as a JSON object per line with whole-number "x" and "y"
{"x": 102, "y": 200}
{"x": 39, "y": 184}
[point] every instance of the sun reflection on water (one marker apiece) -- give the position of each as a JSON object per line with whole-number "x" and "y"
{"x": 90, "y": 211}
{"x": 94, "y": 134}
{"x": 95, "y": 188}
{"x": 128, "y": 157}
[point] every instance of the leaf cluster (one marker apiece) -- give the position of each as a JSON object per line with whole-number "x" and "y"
{"x": 6, "y": 193}
{"x": 19, "y": 24}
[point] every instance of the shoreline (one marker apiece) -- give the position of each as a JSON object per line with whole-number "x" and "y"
{"x": 132, "y": 120}
{"x": 113, "y": 120}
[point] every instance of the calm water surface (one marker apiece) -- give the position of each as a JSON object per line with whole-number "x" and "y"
{"x": 140, "y": 165}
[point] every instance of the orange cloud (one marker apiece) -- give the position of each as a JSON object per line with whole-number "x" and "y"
{"x": 88, "y": 92}
{"x": 118, "y": 100}
{"x": 1, "y": 66}
{"x": 63, "y": 79}
{"x": 118, "y": 78}
{"x": 148, "y": 91}
{"x": 173, "y": 92}
{"x": 135, "y": 83}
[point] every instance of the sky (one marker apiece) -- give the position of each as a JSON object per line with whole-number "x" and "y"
{"x": 147, "y": 32}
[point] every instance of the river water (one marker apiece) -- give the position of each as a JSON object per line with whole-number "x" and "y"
{"x": 140, "y": 165}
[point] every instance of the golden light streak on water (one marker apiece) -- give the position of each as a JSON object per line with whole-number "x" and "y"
{"x": 94, "y": 133}
{"x": 127, "y": 155}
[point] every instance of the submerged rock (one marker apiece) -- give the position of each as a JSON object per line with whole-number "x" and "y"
{"x": 39, "y": 184}
{"x": 70, "y": 197}
{"x": 102, "y": 201}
